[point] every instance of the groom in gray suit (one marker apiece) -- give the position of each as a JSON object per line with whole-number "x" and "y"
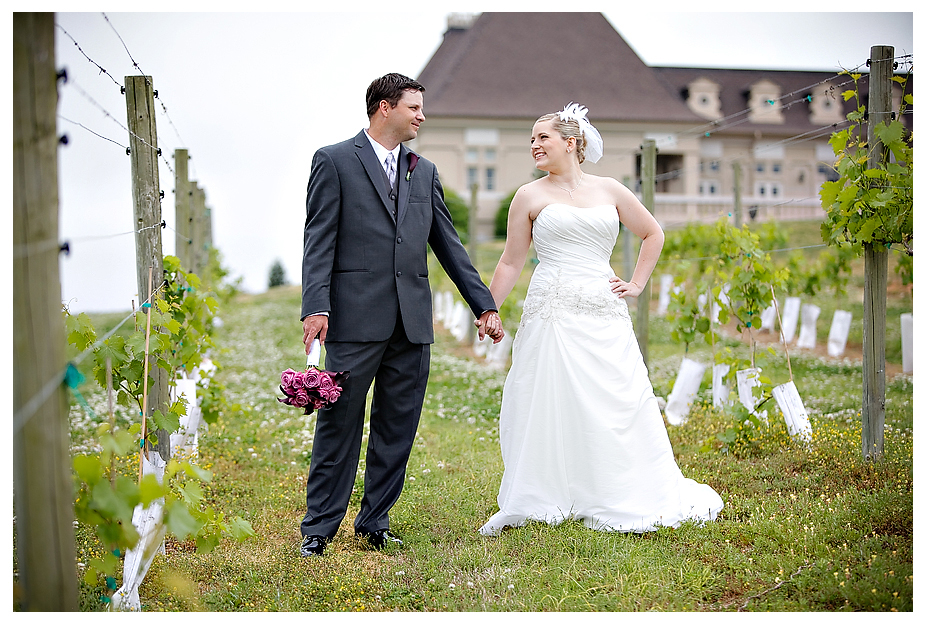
{"x": 372, "y": 209}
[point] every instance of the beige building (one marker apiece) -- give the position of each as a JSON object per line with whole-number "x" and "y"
{"x": 496, "y": 73}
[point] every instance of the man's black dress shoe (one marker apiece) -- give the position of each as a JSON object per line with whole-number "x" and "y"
{"x": 312, "y": 545}
{"x": 380, "y": 539}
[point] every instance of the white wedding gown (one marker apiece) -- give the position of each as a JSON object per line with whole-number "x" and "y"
{"x": 581, "y": 433}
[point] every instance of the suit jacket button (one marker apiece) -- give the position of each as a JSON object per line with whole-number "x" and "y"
{"x": 398, "y": 273}
{"x": 399, "y": 240}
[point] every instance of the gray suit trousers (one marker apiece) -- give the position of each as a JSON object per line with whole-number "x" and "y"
{"x": 398, "y": 370}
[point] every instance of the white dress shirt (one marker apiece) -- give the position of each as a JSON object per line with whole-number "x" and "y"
{"x": 382, "y": 152}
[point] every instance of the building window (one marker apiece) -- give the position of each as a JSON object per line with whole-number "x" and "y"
{"x": 764, "y": 102}
{"x": 490, "y": 178}
{"x": 828, "y": 173}
{"x": 768, "y": 190}
{"x": 481, "y": 137}
{"x": 708, "y": 188}
{"x": 480, "y": 160}
{"x": 760, "y": 167}
{"x": 472, "y": 176}
{"x": 824, "y": 106}
{"x": 703, "y": 98}
{"x": 777, "y": 167}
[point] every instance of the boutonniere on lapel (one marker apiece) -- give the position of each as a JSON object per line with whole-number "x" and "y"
{"x": 413, "y": 162}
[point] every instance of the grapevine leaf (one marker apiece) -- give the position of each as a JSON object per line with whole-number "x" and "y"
{"x": 240, "y": 529}
{"x": 88, "y": 468}
{"x": 150, "y": 489}
{"x": 192, "y": 492}
{"x": 179, "y": 520}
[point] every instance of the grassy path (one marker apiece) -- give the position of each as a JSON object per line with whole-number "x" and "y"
{"x": 802, "y": 530}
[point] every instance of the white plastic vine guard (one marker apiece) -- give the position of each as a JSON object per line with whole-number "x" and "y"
{"x": 685, "y": 389}
{"x": 793, "y": 410}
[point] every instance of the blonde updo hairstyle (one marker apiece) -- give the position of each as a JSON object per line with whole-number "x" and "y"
{"x": 568, "y": 129}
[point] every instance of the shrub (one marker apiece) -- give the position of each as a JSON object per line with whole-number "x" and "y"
{"x": 277, "y": 275}
{"x": 460, "y": 213}
{"x": 502, "y": 216}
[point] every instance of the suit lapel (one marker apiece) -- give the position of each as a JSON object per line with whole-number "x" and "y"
{"x": 374, "y": 170}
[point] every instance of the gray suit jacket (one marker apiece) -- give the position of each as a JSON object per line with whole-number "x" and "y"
{"x": 363, "y": 264}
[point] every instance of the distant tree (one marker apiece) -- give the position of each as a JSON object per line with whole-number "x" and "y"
{"x": 277, "y": 275}
{"x": 460, "y": 213}
{"x": 502, "y": 216}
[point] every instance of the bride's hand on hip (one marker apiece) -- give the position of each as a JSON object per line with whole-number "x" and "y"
{"x": 625, "y": 289}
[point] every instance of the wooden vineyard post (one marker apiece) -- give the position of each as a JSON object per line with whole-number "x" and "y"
{"x": 43, "y": 490}
{"x": 146, "y": 201}
{"x": 183, "y": 209}
{"x": 198, "y": 210}
{"x": 881, "y": 59}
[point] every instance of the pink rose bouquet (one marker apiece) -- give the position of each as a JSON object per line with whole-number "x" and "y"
{"x": 311, "y": 389}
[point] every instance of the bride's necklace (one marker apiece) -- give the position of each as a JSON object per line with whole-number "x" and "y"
{"x": 570, "y": 192}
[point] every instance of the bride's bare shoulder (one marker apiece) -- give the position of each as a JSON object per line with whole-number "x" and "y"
{"x": 603, "y": 183}
{"x": 613, "y": 189}
{"x": 530, "y": 198}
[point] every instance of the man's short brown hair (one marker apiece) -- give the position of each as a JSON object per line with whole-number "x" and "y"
{"x": 389, "y": 88}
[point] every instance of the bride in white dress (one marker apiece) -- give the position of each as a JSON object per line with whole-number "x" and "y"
{"x": 582, "y": 436}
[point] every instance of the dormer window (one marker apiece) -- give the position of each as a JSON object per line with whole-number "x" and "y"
{"x": 764, "y": 104}
{"x": 825, "y": 108}
{"x": 704, "y": 98}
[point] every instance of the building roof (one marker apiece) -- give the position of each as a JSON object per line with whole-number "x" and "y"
{"x": 795, "y": 87}
{"x": 524, "y": 65}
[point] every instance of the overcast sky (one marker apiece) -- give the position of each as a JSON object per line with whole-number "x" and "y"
{"x": 252, "y": 96}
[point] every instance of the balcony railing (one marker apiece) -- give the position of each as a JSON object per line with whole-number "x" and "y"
{"x": 674, "y": 210}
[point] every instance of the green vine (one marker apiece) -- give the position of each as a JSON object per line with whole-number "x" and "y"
{"x": 729, "y": 266}
{"x": 107, "y": 492}
{"x": 871, "y": 205}
{"x": 727, "y": 270}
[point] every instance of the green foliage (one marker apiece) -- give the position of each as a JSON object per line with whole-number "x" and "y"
{"x": 277, "y": 275}
{"x": 181, "y": 332}
{"x": 721, "y": 267}
{"x": 460, "y": 213}
{"x": 502, "y": 216}
{"x": 215, "y": 277}
{"x": 689, "y": 317}
{"x": 181, "y": 322}
{"x": 802, "y": 530}
{"x": 749, "y": 275}
{"x": 691, "y": 251}
{"x": 832, "y": 269}
{"x": 740, "y": 438}
{"x": 904, "y": 267}
{"x": 871, "y": 205}
{"x": 107, "y": 498}
{"x": 738, "y": 285}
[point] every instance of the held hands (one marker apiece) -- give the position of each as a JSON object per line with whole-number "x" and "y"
{"x": 489, "y": 324}
{"x": 314, "y": 326}
{"x": 625, "y": 289}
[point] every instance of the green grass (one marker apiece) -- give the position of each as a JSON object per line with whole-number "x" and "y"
{"x": 803, "y": 528}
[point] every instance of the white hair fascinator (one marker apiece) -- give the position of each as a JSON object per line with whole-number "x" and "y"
{"x": 594, "y": 144}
